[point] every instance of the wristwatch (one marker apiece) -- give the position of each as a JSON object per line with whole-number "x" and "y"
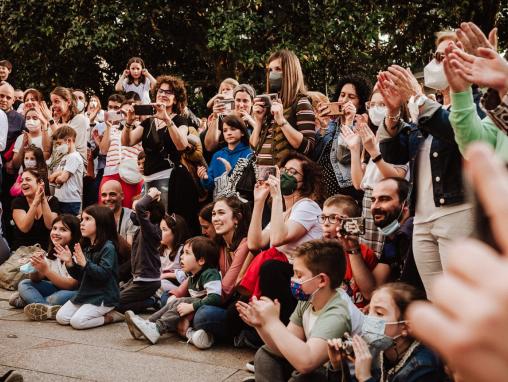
{"x": 354, "y": 251}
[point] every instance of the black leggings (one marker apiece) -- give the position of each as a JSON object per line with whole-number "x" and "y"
{"x": 274, "y": 282}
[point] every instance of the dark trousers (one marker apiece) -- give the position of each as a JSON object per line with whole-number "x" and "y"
{"x": 135, "y": 294}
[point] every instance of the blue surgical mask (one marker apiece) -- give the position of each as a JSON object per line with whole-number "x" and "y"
{"x": 394, "y": 226}
{"x": 373, "y": 332}
{"x": 297, "y": 291}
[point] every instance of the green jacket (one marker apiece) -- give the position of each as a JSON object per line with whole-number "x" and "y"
{"x": 469, "y": 127}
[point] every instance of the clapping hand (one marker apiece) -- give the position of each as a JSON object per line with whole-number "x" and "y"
{"x": 38, "y": 261}
{"x": 472, "y": 38}
{"x": 368, "y": 139}
{"x": 456, "y": 82}
{"x": 353, "y": 140}
{"x": 63, "y": 254}
{"x": 226, "y": 164}
{"x": 79, "y": 255}
{"x": 154, "y": 193}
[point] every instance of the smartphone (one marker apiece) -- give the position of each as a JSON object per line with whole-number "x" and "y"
{"x": 229, "y": 104}
{"x": 264, "y": 172}
{"x": 113, "y": 116}
{"x": 144, "y": 109}
{"x": 352, "y": 226}
{"x": 268, "y": 99}
{"x": 335, "y": 109}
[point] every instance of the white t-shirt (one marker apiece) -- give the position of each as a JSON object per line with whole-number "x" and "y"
{"x": 373, "y": 176}
{"x": 81, "y": 125}
{"x": 115, "y": 150}
{"x": 37, "y": 141}
{"x": 305, "y": 212}
{"x": 355, "y": 313}
{"x": 426, "y": 210}
{"x": 58, "y": 267}
{"x": 143, "y": 89}
{"x": 72, "y": 190}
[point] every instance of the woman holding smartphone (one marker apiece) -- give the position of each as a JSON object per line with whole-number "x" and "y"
{"x": 164, "y": 139}
{"x": 288, "y": 123}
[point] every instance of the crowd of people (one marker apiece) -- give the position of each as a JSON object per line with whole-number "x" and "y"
{"x": 320, "y": 232}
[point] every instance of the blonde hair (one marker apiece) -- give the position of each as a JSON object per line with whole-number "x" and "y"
{"x": 228, "y": 81}
{"x": 317, "y": 98}
{"x": 292, "y": 77}
{"x": 445, "y": 35}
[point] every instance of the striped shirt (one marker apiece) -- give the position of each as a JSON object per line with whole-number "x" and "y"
{"x": 113, "y": 156}
{"x": 275, "y": 144}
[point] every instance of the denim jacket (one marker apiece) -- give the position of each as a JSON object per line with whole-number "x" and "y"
{"x": 445, "y": 157}
{"x": 340, "y": 156}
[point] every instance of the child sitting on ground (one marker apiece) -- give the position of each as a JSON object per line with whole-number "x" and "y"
{"x": 199, "y": 259}
{"x": 321, "y": 314}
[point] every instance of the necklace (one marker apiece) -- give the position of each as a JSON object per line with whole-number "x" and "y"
{"x": 399, "y": 365}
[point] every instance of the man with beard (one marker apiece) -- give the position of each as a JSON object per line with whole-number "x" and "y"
{"x": 111, "y": 196}
{"x": 390, "y": 211}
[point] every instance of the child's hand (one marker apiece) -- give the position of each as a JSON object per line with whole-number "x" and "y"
{"x": 248, "y": 314}
{"x": 226, "y": 164}
{"x": 144, "y": 72}
{"x": 39, "y": 262}
{"x": 126, "y": 73}
{"x": 63, "y": 254}
{"x": 79, "y": 255}
{"x": 154, "y": 193}
{"x": 202, "y": 172}
{"x": 184, "y": 309}
{"x": 266, "y": 308}
{"x": 335, "y": 352}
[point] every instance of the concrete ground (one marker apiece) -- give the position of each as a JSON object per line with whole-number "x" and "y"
{"x": 46, "y": 351}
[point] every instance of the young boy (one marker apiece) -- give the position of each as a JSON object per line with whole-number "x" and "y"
{"x": 68, "y": 176}
{"x": 199, "y": 259}
{"x": 321, "y": 314}
{"x": 359, "y": 280}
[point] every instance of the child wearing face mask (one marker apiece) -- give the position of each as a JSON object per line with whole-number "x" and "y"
{"x": 136, "y": 78}
{"x": 33, "y": 157}
{"x": 321, "y": 314}
{"x": 68, "y": 176}
{"x": 385, "y": 351}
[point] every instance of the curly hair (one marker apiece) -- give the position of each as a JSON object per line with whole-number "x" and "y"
{"x": 362, "y": 87}
{"x": 312, "y": 187}
{"x": 176, "y": 85}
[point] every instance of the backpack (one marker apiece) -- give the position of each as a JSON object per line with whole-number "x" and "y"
{"x": 10, "y": 275}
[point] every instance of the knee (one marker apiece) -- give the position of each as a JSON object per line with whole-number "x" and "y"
{"x": 78, "y": 322}
{"x": 61, "y": 318}
{"x": 261, "y": 359}
{"x": 23, "y": 284}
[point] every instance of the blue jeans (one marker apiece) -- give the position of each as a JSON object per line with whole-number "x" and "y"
{"x": 212, "y": 319}
{"x": 72, "y": 208}
{"x": 43, "y": 292}
{"x": 163, "y": 186}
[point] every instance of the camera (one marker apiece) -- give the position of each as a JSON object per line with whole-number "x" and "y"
{"x": 335, "y": 109}
{"x": 352, "y": 226}
{"x": 267, "y": 99}
{"x": 347, "y": 345}
{"x": 144, "y": 109}
{"x": 264, "y": 172}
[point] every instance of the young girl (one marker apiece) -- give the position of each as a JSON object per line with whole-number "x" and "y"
{"x": 50, "y": 286}
{"x": 174, "y": 233}
{"x": 33, "y": 157}
{"x": 225, "y": 91}
{"x": 223, "y": 161}
{"x": 136, "y": 78}
{"x": 94, "y": 264}
{"x": 386, "y": 351}
{"x": 34, "y": 124}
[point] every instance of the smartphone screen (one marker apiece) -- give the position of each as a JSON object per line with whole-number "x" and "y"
{"x": 144, "y": 110}
{"x": 264, "y": 172}
{"x": 113, "y": 116}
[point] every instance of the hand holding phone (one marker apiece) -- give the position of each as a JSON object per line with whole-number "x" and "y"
{"x": 144, "y": 110}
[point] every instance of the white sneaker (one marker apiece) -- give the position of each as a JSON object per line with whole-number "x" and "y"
{"x": 200, "y": 338}
{"x": 149, "y": 329}
{"x": 135, "y": 333}
{"x": 250, "y": 366}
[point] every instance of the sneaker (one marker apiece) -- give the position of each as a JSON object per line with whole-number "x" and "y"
{"x": 250, "y": 366}
{"x": 147, "y": 328}
{"x": 250, "y": 378}
{"x": 11, "y": 376}
{"x": 16, "y": 301}
{"x": 199, "y": 338}
{"x": 135, "y": 333}
{"x": 116, "y": 316}
{"x": 41, "y": 312}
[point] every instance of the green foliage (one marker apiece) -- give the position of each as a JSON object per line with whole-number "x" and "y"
{"x": 86, "y": 44}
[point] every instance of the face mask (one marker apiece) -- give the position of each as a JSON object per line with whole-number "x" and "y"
{"x": 62, "y": 149}
{"x": 288, "y": 184}
{"x": 29, "y": 163}
{"x": 392, "y": 227}
{"x": 93, "y": 104}
{"x": 16, "y": 104}
{"x": 275, "y": 82}
{"x": 298, "y": 293}
{"x": 377, "y": 115}
{"x": 32, "y": 124}
{"x": 434, "y": 76}
{"x": 373, "y": 332}
{"x": 80, "y": 105}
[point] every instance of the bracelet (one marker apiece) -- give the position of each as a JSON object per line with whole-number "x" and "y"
{"x": 128, "y": 125}
{"x": 377, "y": 159}
{"x": 393, "y": 118}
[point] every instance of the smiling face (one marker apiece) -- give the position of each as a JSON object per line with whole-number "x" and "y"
{"x": 385, "y": 205}
{"x": 59, "y": 105}
{"x": 112, "y": 195}
{"x": 30, "y": 100}
{"x": 60, "y": 234}
{"x": 207, "y": 228}
{"x": 29, "y": 184}
{"x": 166, "y": 95}
{"x": 222, "y": 218}
{"x": 348, "y": 93}
{"x": 243, "y": 102}
{"x": 87, "y": 226}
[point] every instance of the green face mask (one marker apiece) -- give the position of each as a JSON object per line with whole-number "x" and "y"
{"x": 288, "y": 184}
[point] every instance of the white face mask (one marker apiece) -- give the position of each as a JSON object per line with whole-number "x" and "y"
{"x": 62, "y": 149}
{"x": 32, "y": 124}
{"x": 434, "y": 75}
{"x": 80, "y": 105}
{"x": 29, "y": 163}
{"x": 377, "y": 114}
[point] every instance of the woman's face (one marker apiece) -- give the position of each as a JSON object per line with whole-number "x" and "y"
{"x": 275, "y": 65}
{"x": 59, "y": 105}
{"x": 135, "y": 70}
{"x": 383, "y": 306}
{"x": 30, "y": 101}
{"x": 222, "y": 218}
{"x": 166, "y": 95}
{"x": 231, "y": 134}
{"x": 348, "y": 93}
{"x": 294, "y": 167}
{"x": 60, "y": 234}
{"x": 207, "y": 228}
{"x": 29, "y": 184}
{"x": 87, "y": 226}
{"x": 243, "y": 102}
{"x": 167, "y": 234}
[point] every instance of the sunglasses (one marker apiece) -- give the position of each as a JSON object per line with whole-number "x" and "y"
{"x": 438, "y": 56}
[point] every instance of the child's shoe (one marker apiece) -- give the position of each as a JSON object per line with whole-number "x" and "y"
{"x": 199, "y": 338}
{"x": 41, "y": 312}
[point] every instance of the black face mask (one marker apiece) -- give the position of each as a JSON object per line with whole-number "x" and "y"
{"x": 16, "y": 104}
{"x": 275, "y": 82}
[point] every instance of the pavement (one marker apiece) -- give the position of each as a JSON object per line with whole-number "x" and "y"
{"x": 47, "y": 351}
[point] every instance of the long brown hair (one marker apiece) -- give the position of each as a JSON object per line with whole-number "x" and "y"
{"x": 292, "y": 76}
{"x": 68, "y": 96}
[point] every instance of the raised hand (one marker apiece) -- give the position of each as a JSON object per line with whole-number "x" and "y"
{"x": 404, "y": 81}
{"x": 154, "y": 193}
{"x": 368, "y": 138}
{"x": 226, "y": 164}
{"x": 471, "y": 38}
{"x": 277, "y": 111}
{"x": 349, "y": 112}
{"x": 79, "y": 255}
{"x": 457, "y": 83}
{"x": 273, "y": 183}
{"x": 261, "y": 192}
{"x": 352, "y": 139}
{"x": 63, "y": 254}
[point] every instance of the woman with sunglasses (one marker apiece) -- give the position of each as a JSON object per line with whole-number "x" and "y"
{"x": 164, "y": 139}
{"x": 298, "y": 188}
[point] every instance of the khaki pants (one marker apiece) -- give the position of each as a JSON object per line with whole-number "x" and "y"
{"x": 432, "y": 243}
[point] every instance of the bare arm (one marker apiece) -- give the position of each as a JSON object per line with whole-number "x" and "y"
{"x": 257, "y": 238}
{"x": 105, "y": 142}
{"x": 47, "y": 214}
{"x": 25, "y": 219}
{"x": 357, "y": 171}
{"x": 212, "y": 133}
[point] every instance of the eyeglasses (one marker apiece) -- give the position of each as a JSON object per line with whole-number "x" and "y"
{"x": 164, "y": 91}
{"x": 332, "y": 219}
{"x": 291, "y": 171}
{"x": 369, "y": 104}
{"x": 438, "y": 56}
